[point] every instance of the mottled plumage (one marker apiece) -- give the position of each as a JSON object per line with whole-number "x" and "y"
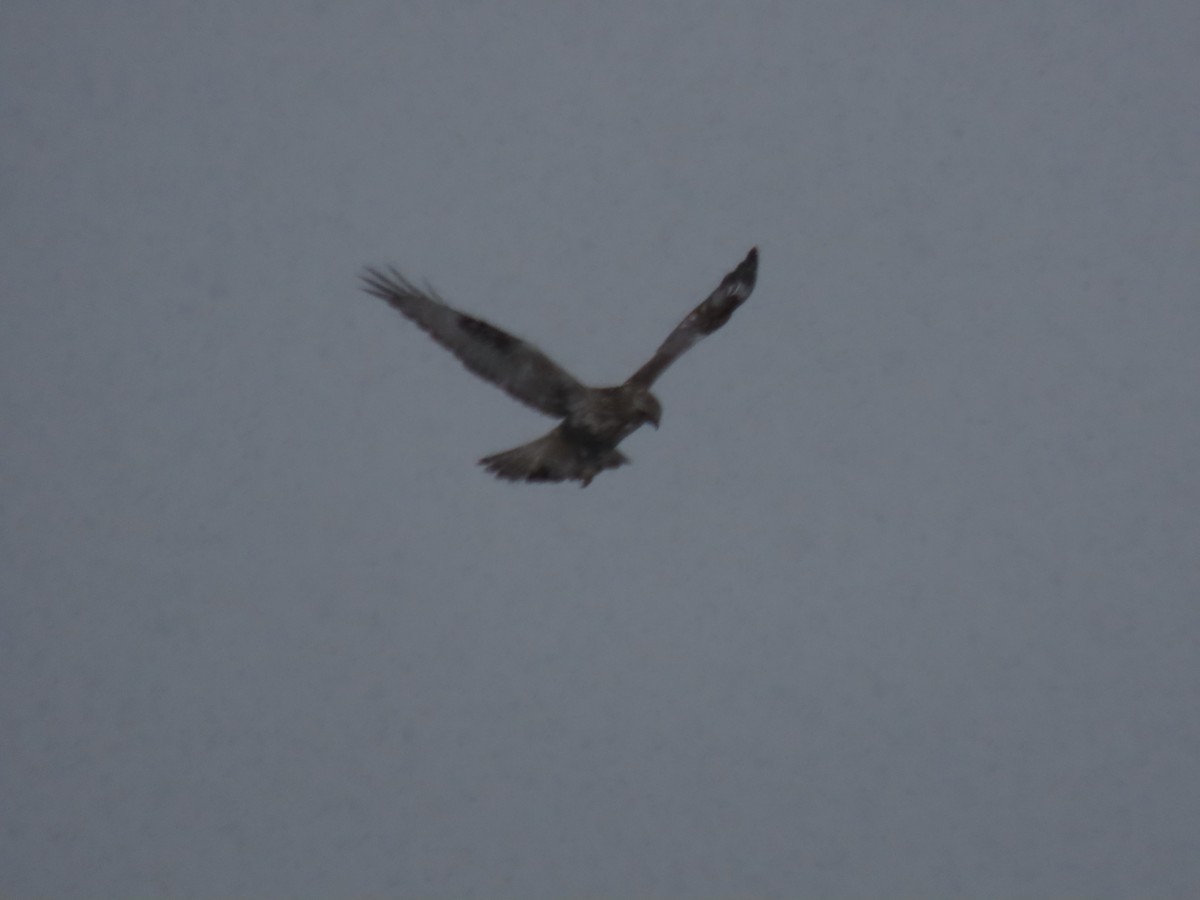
{"x": 594, "y": 420}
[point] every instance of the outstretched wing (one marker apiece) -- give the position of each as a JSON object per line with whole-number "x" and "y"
{"x": 703, "y": 320}
{"x": 515, "y": 365}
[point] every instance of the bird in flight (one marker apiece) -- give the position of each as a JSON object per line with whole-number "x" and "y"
{"x": 594, "y": 419}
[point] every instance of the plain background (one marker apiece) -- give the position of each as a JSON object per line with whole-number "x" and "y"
{"x": 902, "y": 600}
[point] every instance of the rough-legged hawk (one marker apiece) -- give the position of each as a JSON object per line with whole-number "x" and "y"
{"x": 594, "y": 420}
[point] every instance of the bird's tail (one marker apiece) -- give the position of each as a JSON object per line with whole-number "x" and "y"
{"x": 552, "y": 457}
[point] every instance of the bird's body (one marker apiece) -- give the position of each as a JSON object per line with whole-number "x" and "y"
{"x": 594, "y": 420}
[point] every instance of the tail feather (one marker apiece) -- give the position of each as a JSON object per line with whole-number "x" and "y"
{"x": 552, "y": 457}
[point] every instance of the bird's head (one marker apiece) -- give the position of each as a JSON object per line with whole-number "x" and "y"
{"x": 648, "y": 407}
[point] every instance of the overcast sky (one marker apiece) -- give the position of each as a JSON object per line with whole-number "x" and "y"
{"x": 903, "y": 599}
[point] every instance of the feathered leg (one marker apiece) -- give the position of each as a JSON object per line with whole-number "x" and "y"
{"x": 552, "y": 457}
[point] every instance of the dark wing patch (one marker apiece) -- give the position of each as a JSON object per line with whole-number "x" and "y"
{"x": 514, "y": 365}
{"x": 706, "y": 318}
{"x": 489, "y": 334}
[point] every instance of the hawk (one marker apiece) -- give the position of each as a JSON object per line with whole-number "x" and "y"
{"x": 594, "y": 419}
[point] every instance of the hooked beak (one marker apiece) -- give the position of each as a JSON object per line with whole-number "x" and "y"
{"x": 653, "y": 420}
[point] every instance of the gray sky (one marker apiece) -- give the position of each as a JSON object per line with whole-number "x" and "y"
{"x": 901, "y": 600}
